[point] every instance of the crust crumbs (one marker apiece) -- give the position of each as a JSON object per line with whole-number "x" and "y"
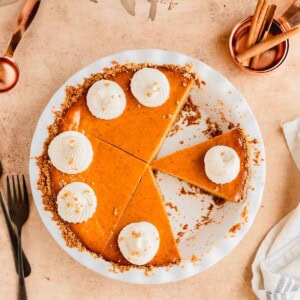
{"x": 194, "y": 259}
{"x": 148, "y": 269}
{"x": 73, "y": 93}
{"x": 235, "y": 228}
{"x": 244, "y": 141}
{"x": 189, "y": 115}
{"x": 244, "y": 214}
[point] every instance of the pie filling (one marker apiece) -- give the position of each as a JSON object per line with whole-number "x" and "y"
{"x": 139, "y": 130}
{"x": 110, "y": 167}
{"x": 146, "y": 205}
{"x": 189, "y": 165}
{"x": 95, "y": 174}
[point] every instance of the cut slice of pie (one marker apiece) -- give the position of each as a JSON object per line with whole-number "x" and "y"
{"x": 140, "y": 130}
{"x": 114, "y": 176}
{"x": 188, "y": 164}
{"x": 146, "y": 205}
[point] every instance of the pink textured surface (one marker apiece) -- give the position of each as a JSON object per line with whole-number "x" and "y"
{"x": 68, "y": 35}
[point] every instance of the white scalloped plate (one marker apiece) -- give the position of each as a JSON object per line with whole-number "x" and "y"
{"x": 200, "y": 248}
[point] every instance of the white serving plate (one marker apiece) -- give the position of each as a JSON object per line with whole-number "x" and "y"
{"x": 208, "y": 244}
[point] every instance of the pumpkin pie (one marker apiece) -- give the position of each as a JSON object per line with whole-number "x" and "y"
{"x": 119, "y": 173}
{"x": 188, "y": 165}
{"x": 147, "y": 205}
{"x": 122, "y": 147}
{"x": 114, "y": 176}
{"x": 140, "y": 130}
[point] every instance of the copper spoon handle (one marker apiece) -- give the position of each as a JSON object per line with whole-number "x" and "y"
{"x": 25, "y": 18}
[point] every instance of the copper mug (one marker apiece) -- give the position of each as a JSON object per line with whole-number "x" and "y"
{"x": 273, "y": 58}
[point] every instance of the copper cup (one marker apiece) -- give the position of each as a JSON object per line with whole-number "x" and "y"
{"x": 269, "y": 60}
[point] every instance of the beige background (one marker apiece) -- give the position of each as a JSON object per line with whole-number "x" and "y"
{"x": 69, "y": 34}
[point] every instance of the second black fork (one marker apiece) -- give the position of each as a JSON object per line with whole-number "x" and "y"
{"x": 18, "y": 204}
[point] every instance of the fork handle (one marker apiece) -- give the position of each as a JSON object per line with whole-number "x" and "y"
{"x": 14, "y": 241}
{"x": 22, "y": 294}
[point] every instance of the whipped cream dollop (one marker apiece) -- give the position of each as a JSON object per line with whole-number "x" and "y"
{"x": 139, "y": 242}
{"x": 71, "y": 152}
{"x": 106, "y": 99}
{"x": 222, "y": 164}
{"x": 150, "y": 87}
{"x": 76, "y": 202}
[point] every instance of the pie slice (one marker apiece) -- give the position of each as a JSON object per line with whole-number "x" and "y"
{"x": 188, "y": 164}
{"x": 146, "y": 205}
{"x": 114, "y": 176}
{"x": 140, "y": 130}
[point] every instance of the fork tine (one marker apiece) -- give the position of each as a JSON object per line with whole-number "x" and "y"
{"x": 16, "y": 199}
{"x": 20, "y": 198}
{"x": 25, "y": 192}
{"x": 9, "y": 198}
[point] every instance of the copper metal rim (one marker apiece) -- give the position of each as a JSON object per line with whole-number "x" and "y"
{"x": 243, "y": 25}
{"x": 10, "y": 74}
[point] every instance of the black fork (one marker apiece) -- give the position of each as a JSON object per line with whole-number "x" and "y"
{"x": 18, "y": 204}
{"x": 14, "y": 240}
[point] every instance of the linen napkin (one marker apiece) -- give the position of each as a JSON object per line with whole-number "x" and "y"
{"x": 276, "y": 267}
{"x": 291, "y": 131}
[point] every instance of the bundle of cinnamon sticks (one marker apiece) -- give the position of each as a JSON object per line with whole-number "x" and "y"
{"x": 258, "y": 40}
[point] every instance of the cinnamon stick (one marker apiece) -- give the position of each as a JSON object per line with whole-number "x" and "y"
{"x": 268, "y": 21}
{"x": 260, "y": 21}
{"x": 250, "y": 39}
{"x": 264, "y": 32}
{"x": 267, "y": 44}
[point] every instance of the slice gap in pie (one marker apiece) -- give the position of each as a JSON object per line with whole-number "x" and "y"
{"x": 140, "y": 130}
{"x": 146, "y": 205}
{"x": 114, "y": 176}
{"x": 188, "y": 165}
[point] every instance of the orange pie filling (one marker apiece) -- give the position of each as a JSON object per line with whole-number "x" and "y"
{"x": 94, "y": 171}
{"x": 139, "y": 130}
{"x": 110, "y": 167}
{"x": 189, "y": 165}
{"x": 146, "y": 205}
{"x": 101, "y": 194}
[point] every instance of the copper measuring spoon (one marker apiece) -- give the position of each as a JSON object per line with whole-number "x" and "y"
{"x": 9, "y": 70}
